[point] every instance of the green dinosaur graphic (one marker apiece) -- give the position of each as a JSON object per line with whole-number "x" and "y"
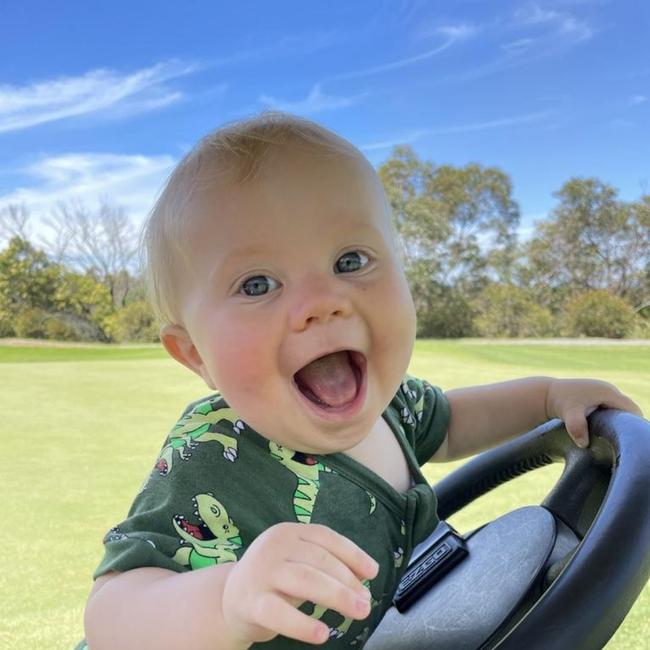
{"x": 213, "y": 540}
{"x": 306, "y": 469}
{"x": 194, "y": 428}
{"x": 338, "y": 631}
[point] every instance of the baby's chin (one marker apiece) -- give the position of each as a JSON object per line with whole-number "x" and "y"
{"x": 323, "y": 440}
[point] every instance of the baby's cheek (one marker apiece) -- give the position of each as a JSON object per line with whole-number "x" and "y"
{"x": 247, "y": 375}
{"x": 398, "y": 322}
{"x": 395, "y": 336}
{"x": 241, "y": 364}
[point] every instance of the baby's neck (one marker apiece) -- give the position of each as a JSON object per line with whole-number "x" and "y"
{"x": 380, "y": 452}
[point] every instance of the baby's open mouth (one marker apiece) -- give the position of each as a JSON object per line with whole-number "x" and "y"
{"x": 333, "y": 380}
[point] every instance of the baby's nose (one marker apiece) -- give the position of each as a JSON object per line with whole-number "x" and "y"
{"x": 318, "y": 301}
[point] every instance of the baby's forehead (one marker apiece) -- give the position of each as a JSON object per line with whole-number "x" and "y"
{"x": 293, "y": 195}
{"x": 290, "y": 174}
{"x": 288, "y": 207}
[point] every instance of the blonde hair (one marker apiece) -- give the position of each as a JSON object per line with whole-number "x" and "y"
{"x": 235, "y": 152}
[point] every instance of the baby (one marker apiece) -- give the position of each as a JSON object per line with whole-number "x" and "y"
{"x": 296, "y": 489}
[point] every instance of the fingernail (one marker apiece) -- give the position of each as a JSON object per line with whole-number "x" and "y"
{"x": 363, "y": 604}
{"x": 322, "y": 633}
{"x": 366, "y": 594}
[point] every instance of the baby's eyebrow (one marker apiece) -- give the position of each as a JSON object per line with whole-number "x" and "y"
{"x": 238, "y": 253}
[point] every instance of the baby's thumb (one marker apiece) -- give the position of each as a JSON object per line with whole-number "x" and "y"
{"x": 575, "y": 422}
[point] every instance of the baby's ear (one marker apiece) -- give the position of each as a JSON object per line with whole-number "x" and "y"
{"x": 179, "y": 345}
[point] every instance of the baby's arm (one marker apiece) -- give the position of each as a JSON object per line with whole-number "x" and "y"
{"x": 484, "y": 416}
{"x": 151, "y": 607}
{"x": 231, "y": 606}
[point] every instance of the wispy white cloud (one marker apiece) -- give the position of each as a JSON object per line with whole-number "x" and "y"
{"x": 518, "y": 46}
{"x": 95, "y": 91}
{"x": 451, "y": 34}
{"x": 411, "y": 136}
{"x": 457, "y": 32}
{"x": 132, "y": 181}
{"x": 635, "y": 100}
{"x": 527, "y": 35}
{"x": 532, "y": 14}
{"x": 540, "y": 33}
{"x": 561, "y": 22}
{"x": 315, "y": 102}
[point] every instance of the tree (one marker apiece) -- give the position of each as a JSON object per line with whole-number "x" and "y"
{"x": 14, "y": 218}
{"x": 40, "y": 298}
{"x": 463, "y": 220}
{"x": 102, "y": 242}
{"x": 457, "y": 227}
{"x": 592, "y": 241}
{"x": 27, "y": 280}
{"x": 83, "y": 304}
{"x": 442, "y": 311}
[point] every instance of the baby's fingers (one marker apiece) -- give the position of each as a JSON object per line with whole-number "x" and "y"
{"x": 320, "y": 558}
{"x": 575, "y": 421}
{"x": 273, "y": 612}
{"x": 624, "y": 403}
{"x": 357, "y": 560}
{"x": 306, "y": 583}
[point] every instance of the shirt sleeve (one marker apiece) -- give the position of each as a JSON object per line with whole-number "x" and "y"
{"x": 424, "y": 413}
{"x": 178, "y": 521}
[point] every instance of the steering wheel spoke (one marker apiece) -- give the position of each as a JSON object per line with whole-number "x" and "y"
{"x": 578, "y": 495}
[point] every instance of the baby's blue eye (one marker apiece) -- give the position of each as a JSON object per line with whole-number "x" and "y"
{"x": 258, "y": 285}
{"x": 352, "y": 261}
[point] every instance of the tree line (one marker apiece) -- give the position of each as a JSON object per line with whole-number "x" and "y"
{"x": 584, "y": 271}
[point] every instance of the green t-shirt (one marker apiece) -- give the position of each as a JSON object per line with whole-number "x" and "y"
{"x": 217, "y": 485}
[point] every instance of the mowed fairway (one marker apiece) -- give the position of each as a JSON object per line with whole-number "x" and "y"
{"x": 81, "y": 428}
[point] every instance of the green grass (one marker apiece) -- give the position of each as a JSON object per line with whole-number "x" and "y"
{"x": 82, "y": 426}
{"x": 39, "y": 354}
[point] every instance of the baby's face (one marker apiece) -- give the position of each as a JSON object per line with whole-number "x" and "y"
{"x": 290, "y": 267}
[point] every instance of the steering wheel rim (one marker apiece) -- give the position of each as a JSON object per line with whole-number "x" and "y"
{"x": 603, "y": 495}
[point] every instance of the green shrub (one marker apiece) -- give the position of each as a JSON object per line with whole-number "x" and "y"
{"x": 505, "y": 310}
{"x": 443, "y": 312}
{"x": 30, "y": 323}
{"x": 599, "y": 313}
{"x": 58, "y": 330}
{"x": 134, "y": 322}
{"x": 6, "y": 325}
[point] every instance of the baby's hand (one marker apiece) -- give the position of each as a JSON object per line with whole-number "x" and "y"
{"x": 289, "y": 564}
{"x": 573, "y": 400}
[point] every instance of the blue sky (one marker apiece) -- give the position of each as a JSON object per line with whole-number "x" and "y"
{"x": 101, "y": 98}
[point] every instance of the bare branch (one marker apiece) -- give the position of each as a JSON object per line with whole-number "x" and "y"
{"x": 14, "y": 221}
{"x": 102, "y": 241}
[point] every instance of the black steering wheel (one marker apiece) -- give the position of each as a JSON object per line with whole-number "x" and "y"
{"x": 562, "y": 575}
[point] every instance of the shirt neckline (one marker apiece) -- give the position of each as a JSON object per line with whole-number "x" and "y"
{"x": 370, "y": 480}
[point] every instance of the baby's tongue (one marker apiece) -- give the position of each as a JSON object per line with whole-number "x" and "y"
{"x": 330, "y": 379}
